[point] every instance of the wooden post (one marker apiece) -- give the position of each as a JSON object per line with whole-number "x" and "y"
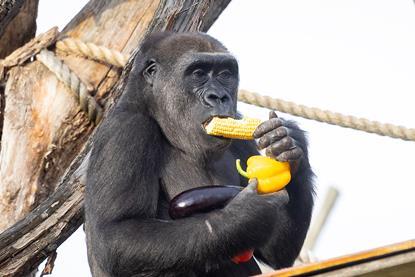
{"x": 317, "y": 224}
{"x": 44, "y": 145}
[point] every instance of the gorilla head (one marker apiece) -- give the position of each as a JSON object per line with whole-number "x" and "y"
{"x": 187, "y": 85}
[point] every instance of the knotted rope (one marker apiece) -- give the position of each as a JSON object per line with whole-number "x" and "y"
{"x": 92, "y": 51}
{"x": 69, "y": 78}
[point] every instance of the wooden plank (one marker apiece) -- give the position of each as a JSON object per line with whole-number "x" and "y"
{"x": 400, "y": 265}
{"x": 344, "y": 261}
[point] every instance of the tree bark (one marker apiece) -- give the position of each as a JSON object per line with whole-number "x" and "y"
{"x": 17, "y": 26}
{"x": 8, "y": 10}
{"x": 44, "y": 130}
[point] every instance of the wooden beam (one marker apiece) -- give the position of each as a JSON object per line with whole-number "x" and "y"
{"x": 332, "y": 265}
{"x": 400, "y": 265}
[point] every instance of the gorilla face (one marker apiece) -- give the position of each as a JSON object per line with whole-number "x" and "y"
{"x": 197, "y": 80}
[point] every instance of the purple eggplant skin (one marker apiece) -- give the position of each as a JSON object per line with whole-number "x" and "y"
{"x": 201, "y": 200}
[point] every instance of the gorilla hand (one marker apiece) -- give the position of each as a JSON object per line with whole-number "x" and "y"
{"x": 276, "y": 136}
{"x": 254, "y": 215}
{"x": 279, "y": 198}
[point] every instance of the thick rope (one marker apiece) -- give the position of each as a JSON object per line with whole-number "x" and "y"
{"x": 362, "y": 124}
{"x": 69, "y": 78}
{"x": 92, "y": 51}
{"x": 27, "y": 51}
{"x": 105, "y": 55}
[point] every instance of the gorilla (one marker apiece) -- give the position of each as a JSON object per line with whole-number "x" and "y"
{"x": 152, "y": 146}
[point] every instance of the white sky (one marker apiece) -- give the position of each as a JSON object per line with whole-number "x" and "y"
{"x": 351, "y": 56}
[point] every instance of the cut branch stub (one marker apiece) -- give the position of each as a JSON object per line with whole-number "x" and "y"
{"x": 34, "y": 46}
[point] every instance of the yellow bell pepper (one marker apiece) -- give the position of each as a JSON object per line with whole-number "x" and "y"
{"x": 272, "y": 175}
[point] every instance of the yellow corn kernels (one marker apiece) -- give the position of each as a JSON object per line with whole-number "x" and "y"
{"x": 233, "y": 128}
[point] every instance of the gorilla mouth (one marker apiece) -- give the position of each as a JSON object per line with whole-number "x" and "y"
{"x": 207, "y": 121}
{"x": 207, "y": 128}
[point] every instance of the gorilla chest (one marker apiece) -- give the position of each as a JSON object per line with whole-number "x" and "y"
{"x": 182, "y": 174}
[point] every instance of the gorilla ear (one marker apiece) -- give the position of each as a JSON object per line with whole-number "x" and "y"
{"x": 149, "y": 71}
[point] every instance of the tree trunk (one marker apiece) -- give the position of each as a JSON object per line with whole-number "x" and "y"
{"x": 8, "y": 10}
{"x": 17, "y": 26}
{"x": 45, "y": 131}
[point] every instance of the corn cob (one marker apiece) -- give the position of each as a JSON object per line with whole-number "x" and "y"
{"x": 232, "y": 128}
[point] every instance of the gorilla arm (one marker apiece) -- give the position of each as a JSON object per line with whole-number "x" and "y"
{"x": 292, "y": 223}
{"x": 292, "y": 220}
{"x": 121, "y": 206}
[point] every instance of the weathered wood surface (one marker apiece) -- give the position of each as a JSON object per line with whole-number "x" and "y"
{"x": 19, "y": 57}
{"x": 30, "y": 241}
{"x": 17, "y": 26}
{"x": 8, "y": 10}
{"x": 44, "y": 129}
{"x": 383, "y": 260}
{"x": 30, "y": 49}
{"x": 400, "y": 265}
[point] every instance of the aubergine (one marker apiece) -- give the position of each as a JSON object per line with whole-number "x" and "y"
{"x": 201, "y": 200}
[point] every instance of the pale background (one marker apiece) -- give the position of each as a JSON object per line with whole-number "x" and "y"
{"x": 351, "y": 56}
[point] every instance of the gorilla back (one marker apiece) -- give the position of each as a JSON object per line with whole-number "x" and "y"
{"x": 152, "y": 146}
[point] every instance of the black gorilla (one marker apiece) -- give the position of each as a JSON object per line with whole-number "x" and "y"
{"x": 153, "y": 146}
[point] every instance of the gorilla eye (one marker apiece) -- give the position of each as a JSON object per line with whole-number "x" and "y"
{"x": 199, "y": 73}
{"x": 225, "y": 74}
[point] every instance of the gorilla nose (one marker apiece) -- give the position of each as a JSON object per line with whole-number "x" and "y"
{"x": 214, "y": 98}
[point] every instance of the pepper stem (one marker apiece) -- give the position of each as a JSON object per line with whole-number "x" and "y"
{"x": 240, "y": 170}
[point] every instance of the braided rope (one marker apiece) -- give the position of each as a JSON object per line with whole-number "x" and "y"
{"x": 69, "y": 78}
{"x": 92, "y": 51}
{"x": 362, "y": 124}
{"x": 103, "y": 54}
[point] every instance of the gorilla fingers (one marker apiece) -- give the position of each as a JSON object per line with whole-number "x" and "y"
{"x": 253, "y": 215}
{"x": 276, "y": 136}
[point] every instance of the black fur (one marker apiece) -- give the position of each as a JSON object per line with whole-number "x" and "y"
{"x": 152, "y": 147}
